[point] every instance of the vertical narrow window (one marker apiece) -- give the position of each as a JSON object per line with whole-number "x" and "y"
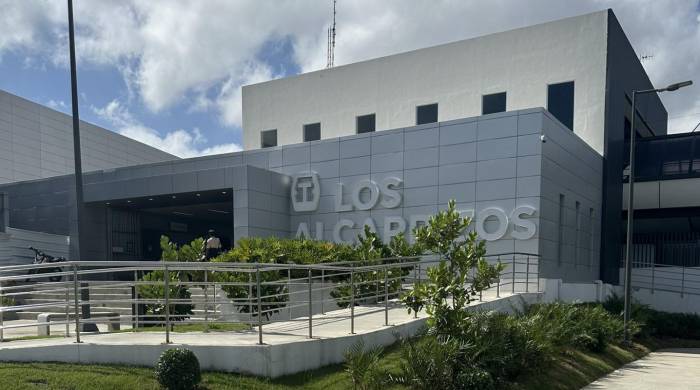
{"x": 365, "y": 123}
{"x": 560, "y": 102}
{"x": 427, "y": 114}
{"x": 312, "y": 132}
{"x": 493, "y": 103}
{"x": 578, "y": 233}
{"x": 268, "y": 138}
{"x": 560, "y": 243}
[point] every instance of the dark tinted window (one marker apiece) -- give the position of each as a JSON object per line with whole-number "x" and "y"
{"x": 312, "y": 132}
{"x": 677, "y": 156}
{"x": 268, "y": 138}
{"x": 365, "y": 123}
{"x": 493, "y": 103}
{"x": 560, "y": 102}
{"x": 427, "y": 114}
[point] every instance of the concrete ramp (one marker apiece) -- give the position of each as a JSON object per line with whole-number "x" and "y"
{"x": 287, "y": 349}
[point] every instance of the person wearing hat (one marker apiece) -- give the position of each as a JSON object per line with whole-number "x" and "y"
{"x": 212, "y": 246}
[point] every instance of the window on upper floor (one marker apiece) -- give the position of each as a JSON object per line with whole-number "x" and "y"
{"x": 268, "y": 138}
{"x": 427, "y": 114}
{"x": 560, "y": 102}
{"x": 312, "y": 132}
{"x": 493, "y": 103}
{"x": 365, "y": 123}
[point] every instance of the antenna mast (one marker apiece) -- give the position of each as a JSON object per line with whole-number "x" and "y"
{"x": 330, "y": 57}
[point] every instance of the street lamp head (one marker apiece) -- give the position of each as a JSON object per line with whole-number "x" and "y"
{"x": 677, "y": 86}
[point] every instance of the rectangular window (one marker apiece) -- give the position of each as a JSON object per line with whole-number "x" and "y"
{"x": 268, "y": 138}
{"x": 312, "y": 132}
{"x": 591, "y": 245}
{"x": 560, "y": 242}
{"x": 493, "y": 103}
{"x": 560, "y": 102}
{"x": 578, "y": 233}
{"x": 427, "y": 114}
{"x": 365, "y": 123}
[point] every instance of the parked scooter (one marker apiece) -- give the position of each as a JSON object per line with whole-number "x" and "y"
{"x": 42, "y": 258}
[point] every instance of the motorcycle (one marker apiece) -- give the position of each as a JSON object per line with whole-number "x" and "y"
{"x": 42, "y": 258}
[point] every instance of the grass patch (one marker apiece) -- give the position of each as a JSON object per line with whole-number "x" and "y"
{"x": 77, "y": 376}
{"x": 572, "y": 369}
{"x": 184, "y": 328}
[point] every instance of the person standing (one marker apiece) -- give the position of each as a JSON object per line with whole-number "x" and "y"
{"x": 212, "y": 246}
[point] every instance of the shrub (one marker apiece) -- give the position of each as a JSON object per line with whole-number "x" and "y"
{"x": 7, "y": 301}
{"x": 579, "y": 325}
{"x": 362, "y": 366}
{"x": 178, "y": 369}
{"x": 176, "y": 291}
{"x": 429, "y": 363}
{"x": 504, "y": 345}
{"x": 654, "y": 323}
{"x": 459, "y": 276}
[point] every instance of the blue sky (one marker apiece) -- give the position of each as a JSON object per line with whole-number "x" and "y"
{"x": 169, "y": 72}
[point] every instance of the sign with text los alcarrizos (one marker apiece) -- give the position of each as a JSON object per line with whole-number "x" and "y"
{"x": 492, "y": 223}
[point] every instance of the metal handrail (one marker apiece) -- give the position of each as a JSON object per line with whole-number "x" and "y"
{"x": 300, "y": 289}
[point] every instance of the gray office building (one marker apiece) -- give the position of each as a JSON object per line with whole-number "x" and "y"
{"x": 524, "y": 129}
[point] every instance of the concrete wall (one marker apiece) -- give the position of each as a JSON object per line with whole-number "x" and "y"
{"x": 520, "y": 62}
{"x": 572, "y": 169}
{"x": 14, "y": 244}
{"x": 494, "y": 162}
{"x": 37, "y": 142}
{"x": 260, "y": 204}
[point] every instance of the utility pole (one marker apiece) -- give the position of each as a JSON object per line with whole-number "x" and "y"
{"x": 76, "y": 137}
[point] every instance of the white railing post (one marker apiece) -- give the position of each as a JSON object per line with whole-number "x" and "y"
{"x": 206, "y": 301}
{"x": 352, "y": 300}
{"x": 67, "y": 308}
{"x": 258, "y": 294}
{"x": 2, "y": 307}
{"x": 527, "y": 274}
{"x": 323, "y": 289}
{"x": 498, "y": 285}
{"x": 512, "y": 287}
{"x": 311, "y": 313}
{"x": 166, "y": 279}
{"x": 77, "y": 306}
{"x": 386, "y": 295}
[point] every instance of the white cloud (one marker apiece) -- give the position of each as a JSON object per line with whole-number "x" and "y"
{"x": 198, "y": 53}
{"x": 180, "y": 142}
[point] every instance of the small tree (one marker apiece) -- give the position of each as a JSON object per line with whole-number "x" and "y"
{"x": 459, "y": 276}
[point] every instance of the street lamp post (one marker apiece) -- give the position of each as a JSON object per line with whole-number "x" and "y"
{"x": 630, "y": 201}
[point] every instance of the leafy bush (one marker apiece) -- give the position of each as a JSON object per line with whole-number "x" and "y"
{"x": 580, "y": 325}
{"x": 362, "y": 366}
{"x": 7, "y": 301}
{"x": 272, "y": 250}
{"x": 176, "y": 291}
{"x": 459, "y": 276}
{"x": 178, "y": 369}
{"x": 654, "y": 323}
{"x": 370, "y": 251}
{"x": 430, "y": 363}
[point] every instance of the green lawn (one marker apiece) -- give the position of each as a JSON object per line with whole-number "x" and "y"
{"x": 183, "y": 328}
{"x": 571, "y": 370}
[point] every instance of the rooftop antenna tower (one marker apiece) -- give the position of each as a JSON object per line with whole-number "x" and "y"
{"x": 330, "y": 57}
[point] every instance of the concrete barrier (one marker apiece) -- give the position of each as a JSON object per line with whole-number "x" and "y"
{"x": 44, "y": 321}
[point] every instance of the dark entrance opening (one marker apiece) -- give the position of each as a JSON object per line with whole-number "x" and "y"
{"x": 138, "y": 224}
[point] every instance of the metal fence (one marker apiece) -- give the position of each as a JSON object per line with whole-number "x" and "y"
{"x": 664, "y": 277}
{"x": 164, "y": 295}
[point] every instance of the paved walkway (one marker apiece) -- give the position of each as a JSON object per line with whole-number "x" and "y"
{"x": 673, "y": 369}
